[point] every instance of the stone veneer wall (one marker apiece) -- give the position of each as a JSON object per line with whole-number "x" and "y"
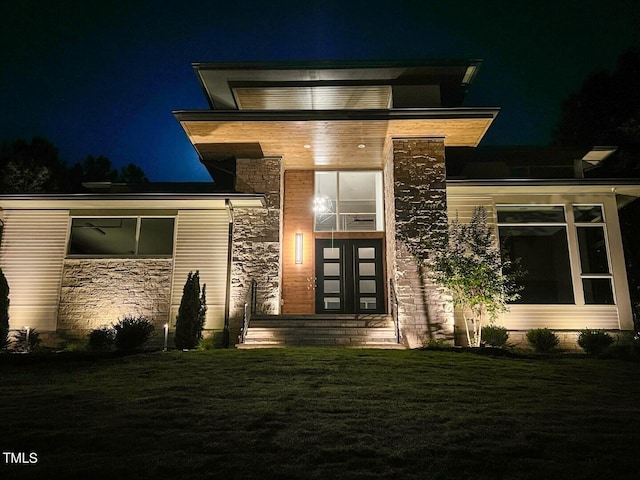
{"x": 96, "y": 292}
{"x": 416, "y": 215}
{"x": 256, "y": 240}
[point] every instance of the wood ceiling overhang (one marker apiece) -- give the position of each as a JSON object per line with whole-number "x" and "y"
{"x": 316, "y": 139}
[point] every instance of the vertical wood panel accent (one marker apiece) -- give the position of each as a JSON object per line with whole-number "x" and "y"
{"x": 297, "y": 218}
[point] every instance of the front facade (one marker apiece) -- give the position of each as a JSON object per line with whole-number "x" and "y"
{"x": 340, "y": 185}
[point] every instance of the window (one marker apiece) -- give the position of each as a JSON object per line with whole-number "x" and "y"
{"x": 126, "y": 236}
{"x": 595, "y": 272}
{"x": 537, "y": 235}
{"x": 348, "y": 201}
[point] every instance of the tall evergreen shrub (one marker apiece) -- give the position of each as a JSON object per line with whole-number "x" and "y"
{"x": 191, "y": 314}
{"x": 4, "y": 311}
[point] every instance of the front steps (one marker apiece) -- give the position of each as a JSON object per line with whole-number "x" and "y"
{"x": 349, "y": 331}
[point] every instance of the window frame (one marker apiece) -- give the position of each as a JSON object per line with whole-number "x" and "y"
{"x": 573, "y": 246}
{"x": 564, "y": 224}
{"x": 379, "y": 213}
{"x": 603, "y": 226}
{"x": 139, "y": 219}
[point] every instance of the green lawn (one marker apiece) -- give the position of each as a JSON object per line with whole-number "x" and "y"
{"x": 321, "y": 414}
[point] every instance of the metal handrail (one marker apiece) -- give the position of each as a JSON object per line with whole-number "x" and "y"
{"x": 250, "y": 302}
{"x": 393, "y": 300}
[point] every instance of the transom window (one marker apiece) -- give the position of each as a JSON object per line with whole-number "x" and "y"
{"x": 121, "y": 236}
{"x": 348, "y": 201}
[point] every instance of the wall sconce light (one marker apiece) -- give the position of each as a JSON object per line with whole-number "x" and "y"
{"x": 298, "y": 248}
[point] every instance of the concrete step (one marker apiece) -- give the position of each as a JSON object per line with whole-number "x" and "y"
{"x": 347, "y": 331}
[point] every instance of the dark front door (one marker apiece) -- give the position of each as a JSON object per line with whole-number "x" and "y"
{"x": 349, "y": 276}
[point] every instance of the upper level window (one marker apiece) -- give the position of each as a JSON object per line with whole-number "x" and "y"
{"x": 537, "y": 235}
{"x": 348, "y": 201}
{"x": 124, "y": 236}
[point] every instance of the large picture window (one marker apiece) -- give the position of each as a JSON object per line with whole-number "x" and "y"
{"x": 125, "y": 236}
{"x": 537, "y": 236}
{"x": 348, "y": 201}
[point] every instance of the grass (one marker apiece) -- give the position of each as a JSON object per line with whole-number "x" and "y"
{"x": 321, "y": 413}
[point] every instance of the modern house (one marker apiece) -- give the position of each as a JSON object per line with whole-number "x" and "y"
{"x": 329, "y": 180}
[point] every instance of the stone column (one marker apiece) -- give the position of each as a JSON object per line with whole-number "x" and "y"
{"x": 256, "y": 240}
{"x": 416, "y": 216}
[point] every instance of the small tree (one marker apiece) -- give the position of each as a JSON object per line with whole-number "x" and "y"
{"x": 4, "y": 311}
{"x": 191, "y": 314}
{"x": 468, "y": 264}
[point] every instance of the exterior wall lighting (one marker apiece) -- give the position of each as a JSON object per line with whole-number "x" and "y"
{"x": 166, "y": 335}
{"x": 298, "y": 248}
{"x": 27, "y": 329}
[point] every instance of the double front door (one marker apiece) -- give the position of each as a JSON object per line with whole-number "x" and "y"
{"x": 349, "y": 276}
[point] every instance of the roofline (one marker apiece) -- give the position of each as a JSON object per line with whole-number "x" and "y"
{"x": 132, "y": 196}
{"x": 335, "y": 64}
{"x": 548, "y": 182}
{"x": 337, "y": 115}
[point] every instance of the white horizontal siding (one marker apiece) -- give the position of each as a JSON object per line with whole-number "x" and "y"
{"x": 31, "y": 257}
{"x": 555, "y": 317}
{"x": 202, "y": 244}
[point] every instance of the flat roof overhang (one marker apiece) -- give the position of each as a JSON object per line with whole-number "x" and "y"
{"x": 317, "y": 139}
{"x": 134, "y": 201}
{"x": 625, "y": 190}
{"x": 225, "y": 84}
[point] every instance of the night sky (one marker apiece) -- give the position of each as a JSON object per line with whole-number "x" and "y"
{"x": 102, "y": 77}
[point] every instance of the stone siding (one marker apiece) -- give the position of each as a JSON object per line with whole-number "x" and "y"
{"x": 256, "y": 240}
{"x": 417, "y": 217}
{"x": 97, "y": 292}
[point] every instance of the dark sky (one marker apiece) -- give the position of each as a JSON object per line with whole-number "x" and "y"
{"x": 102, "y": 77}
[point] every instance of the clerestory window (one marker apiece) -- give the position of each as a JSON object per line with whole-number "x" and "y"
{"x": 121, "y": 236}
{"x": 348, "y": 201}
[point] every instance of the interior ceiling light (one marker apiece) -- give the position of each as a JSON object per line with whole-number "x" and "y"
{"x": 362, "y": 145}
{"x": 307, "y": 146}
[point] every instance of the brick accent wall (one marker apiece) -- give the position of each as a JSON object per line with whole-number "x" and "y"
{"x": 256, "y": 240}
{"x": 415, "y": 180}
{"x": 97, "y": 292}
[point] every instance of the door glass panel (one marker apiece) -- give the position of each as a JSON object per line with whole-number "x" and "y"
{"x": 366, "y": 252}
{"x": 368, "y": 269}
{"x": 367, "y": 286}
{"x": 331, "y": 253}
{"x": 368, "y": 303}
{"x": 331, "y": 303}
{"x": 331, "y": 269}
{"x": 332, "y": 286}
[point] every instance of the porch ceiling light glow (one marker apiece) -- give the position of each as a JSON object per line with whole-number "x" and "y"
{"x": 298, "y": 249}
{"x": 361, "y": 145}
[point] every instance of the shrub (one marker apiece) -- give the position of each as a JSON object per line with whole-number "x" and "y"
{"x": 4, "y": 311}
{"x": 131, "y": 333}
{"x": 27, "y": 343}
{"x": 191, "y": 314}
{"x": 101, "y": 338}
{"x": 208, "y": 343}
{"x": 594, "y": 342}
{"x": 495, "y": 336}
{"x": 542, "y": 339}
